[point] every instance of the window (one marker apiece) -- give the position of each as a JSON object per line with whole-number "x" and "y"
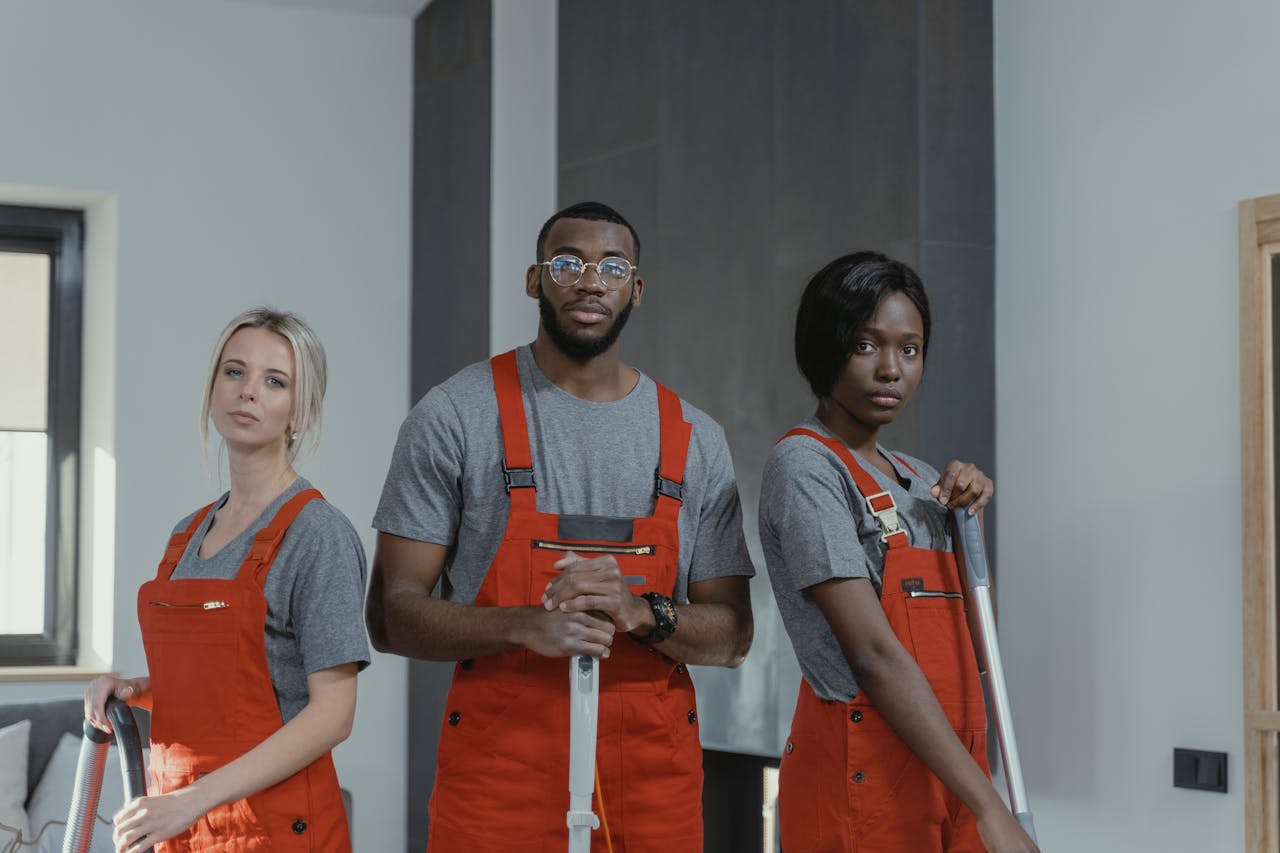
{"x": 41, "y": 285}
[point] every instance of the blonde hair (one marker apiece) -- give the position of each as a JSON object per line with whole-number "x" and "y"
{"x": 311, "y": 374}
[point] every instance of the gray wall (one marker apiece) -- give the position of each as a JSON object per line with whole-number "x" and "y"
{"x": 1124, "y": 146}
{"x": 450, "y": 298}
{"x": 749, "y": 144}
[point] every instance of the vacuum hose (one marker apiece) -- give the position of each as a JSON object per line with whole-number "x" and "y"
{"x": 89, "y": 770}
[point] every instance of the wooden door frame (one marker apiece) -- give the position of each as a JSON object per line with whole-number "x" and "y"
{"x": 1259, "y": 241}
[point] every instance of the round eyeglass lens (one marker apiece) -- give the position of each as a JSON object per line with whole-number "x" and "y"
{"x": 614, "y": 272}
{"x": 566, "y": 270}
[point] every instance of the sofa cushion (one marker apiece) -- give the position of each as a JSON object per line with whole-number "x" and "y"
{"x": 13, "y": 782}
{"x": 50, "y": 718}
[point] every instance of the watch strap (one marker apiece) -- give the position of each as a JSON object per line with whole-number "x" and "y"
{"x": 664, "y": 618}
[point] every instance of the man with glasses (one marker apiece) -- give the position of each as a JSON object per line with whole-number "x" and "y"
{"x": 570, "y": 505}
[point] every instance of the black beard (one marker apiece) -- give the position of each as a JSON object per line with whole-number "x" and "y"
{"x": 575, "y": 348}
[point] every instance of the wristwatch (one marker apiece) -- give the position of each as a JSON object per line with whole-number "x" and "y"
{"x": 664, "y": 617}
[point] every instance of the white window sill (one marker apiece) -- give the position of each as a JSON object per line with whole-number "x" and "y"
{"x": 12, "y": 674}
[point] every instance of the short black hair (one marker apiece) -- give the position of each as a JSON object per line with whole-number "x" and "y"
{"x": 838, "y": 301}
{"x": 591, "y": 210}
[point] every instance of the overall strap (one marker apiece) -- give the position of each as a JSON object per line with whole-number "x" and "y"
{"x": 906, "y": 464}
{"x": 879, "y": 502}
{"x": 178, "y": 545}
{"x": 266, "y": 542}
{"x": 517, "y": 464}
{"x": 674, "y": 433}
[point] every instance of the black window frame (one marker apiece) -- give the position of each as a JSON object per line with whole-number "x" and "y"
{"x": 58, "y": 233}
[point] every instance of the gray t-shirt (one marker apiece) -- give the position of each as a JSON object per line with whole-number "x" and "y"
{"x": 815, "y": 526}
{"x": 314, "y": 591}
{"x": 445, "y": 482}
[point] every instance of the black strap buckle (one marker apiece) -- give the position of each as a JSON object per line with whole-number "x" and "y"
{"x": 670, "y": 488}
{"x": 518, "y": 478}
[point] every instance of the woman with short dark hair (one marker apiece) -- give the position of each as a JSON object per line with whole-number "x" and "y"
{"x": 887, "y": 749}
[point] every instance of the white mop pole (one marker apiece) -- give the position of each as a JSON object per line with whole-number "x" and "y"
{"x": 973, "y": 556}
{"x": 584, "y": 706}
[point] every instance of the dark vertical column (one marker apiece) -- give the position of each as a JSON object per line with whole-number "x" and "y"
{"x": 451, "y": 134}
{"x": 450, "y": 298}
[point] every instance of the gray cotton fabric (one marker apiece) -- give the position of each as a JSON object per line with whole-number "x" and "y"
{"x": 445, "y": 482}
{"x": 314, "y": 591}
{"x": 815, "y": 526}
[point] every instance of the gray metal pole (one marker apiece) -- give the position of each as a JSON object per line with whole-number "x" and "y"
{"x": 973, "y": 557}
{"x": 584, "y": 707}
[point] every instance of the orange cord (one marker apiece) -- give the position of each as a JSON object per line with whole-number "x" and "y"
{"x": 604, "y": 821}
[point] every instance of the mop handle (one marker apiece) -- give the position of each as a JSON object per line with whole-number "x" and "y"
{"x": 584, "y": 706}
{"x": 973, "y": 556}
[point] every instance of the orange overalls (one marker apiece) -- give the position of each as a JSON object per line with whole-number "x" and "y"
{"x": 848, "y": 784}
{"x": 502, "y": 770}
{"x": 214, "y": 702}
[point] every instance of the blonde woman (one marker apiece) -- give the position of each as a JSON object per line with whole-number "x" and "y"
{"x": 252, "y": 625}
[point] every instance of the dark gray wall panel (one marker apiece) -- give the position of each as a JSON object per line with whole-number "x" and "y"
{"x": 846, "y": 173}
{"x": 956, "y": 416}
{"x": 846, "y": 128}
{"x": 450, "y": 298}
{"x": 845, "y": 170}
{"x": 956, "y": 404}
{"x": 626, "y": 179}
{"x": 958, "y": 133}
{"x": 613, "y": 47}
{"x": 957, "y": 231}
{"x": 452, "y": 77}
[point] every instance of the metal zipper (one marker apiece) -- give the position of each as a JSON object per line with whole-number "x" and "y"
{"x": 635, "y": 550}
{"x": 207, "y": 605}
{"x": 929, "y": 593}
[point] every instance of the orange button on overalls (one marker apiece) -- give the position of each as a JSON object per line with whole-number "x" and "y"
{"x": 213, "y": 700}
{"x": 848, "y": 784}
{"x": 502, "y": 771}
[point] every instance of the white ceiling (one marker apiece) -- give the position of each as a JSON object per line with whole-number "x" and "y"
{"x": 394, "y": 8}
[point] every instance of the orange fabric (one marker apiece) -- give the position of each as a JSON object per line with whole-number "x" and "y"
{"x": 502, "y": 770}
{"x": 213, "y": 701}
{"x": 674, "y": 453}
{"x": 517, "y": 453}
{"x": 848, "y": 784}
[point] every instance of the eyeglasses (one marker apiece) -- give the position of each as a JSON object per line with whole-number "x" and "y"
{"x": 567, "y": 271}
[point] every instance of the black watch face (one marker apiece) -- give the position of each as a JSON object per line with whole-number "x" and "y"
{"x": 664, "y": 613}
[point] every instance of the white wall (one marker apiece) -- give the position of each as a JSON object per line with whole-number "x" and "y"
{"x": 243, "y": 154}
{"x": 1125, "y": 135}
